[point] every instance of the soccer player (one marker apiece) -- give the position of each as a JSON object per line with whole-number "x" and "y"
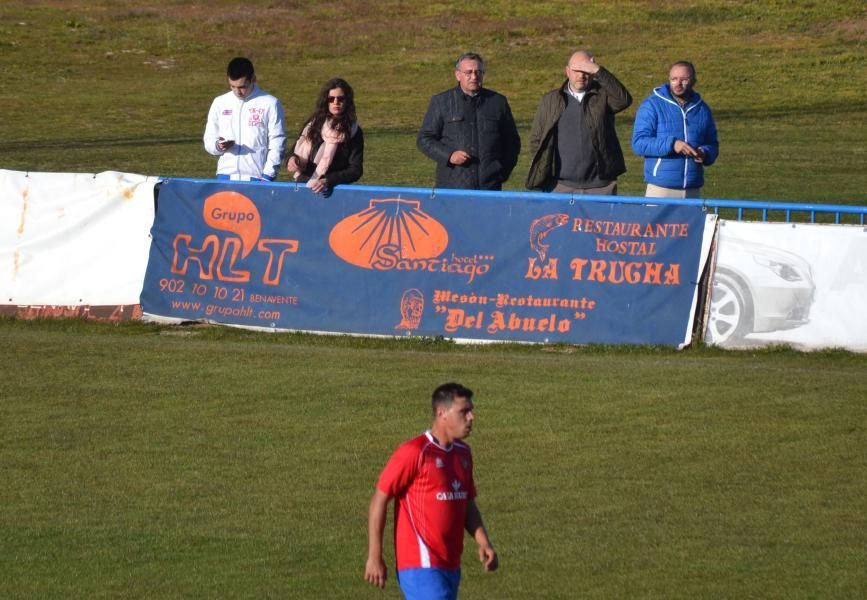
{"x": 430, "y": 477}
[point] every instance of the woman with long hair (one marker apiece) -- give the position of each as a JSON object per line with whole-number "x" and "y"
{"x": 330, "y": 148}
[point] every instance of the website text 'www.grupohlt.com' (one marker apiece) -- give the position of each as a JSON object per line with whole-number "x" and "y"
{"x": 203, "y": 300}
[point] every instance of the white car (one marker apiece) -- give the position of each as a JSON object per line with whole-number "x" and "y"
{"x": 757, "y": 288}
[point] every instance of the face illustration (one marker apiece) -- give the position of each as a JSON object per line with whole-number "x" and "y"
{"x": 411, "y": 309}
{"x": 336, "y": 102}
{"x": 243, "y": 87}
{"x": 458, "y": 418}
{"x": 680, "y": 80}
{"x": 469, "y": 75}
{"x": 414, "y": 307}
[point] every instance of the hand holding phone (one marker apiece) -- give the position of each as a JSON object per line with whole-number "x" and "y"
{"x": 224, "y": 144}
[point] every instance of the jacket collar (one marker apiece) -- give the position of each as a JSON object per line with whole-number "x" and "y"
{"x": 460, "y": 93}
{"x": 257, "y": 91}
{"x": 593, "y": 88}
{"x": 664, "y": 92}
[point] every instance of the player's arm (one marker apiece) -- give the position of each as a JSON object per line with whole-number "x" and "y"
{"x": 476, "y": 528}
{"x": 375, "y": 572}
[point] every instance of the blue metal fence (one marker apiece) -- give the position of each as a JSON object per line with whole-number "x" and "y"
{"x": 741, "y": 210}
{"x": 744, "y": 209}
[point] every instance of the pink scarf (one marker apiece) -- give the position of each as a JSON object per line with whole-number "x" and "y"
{"x": 326, "y": 152}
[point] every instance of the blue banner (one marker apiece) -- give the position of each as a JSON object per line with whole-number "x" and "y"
{"x": 480, "y": 266}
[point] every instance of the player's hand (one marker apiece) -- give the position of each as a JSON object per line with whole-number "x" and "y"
{"x": 224, "y": 144}
{"x": 459, "y": 157}
{"x": 488, "y": 557}
{"x": 375, "y": 572}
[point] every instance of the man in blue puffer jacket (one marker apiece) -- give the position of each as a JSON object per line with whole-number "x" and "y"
{"x": 676, "y": 134}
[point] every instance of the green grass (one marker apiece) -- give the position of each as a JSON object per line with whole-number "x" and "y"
{"x": 142, "y": 461}
{"x": 150, "y": 462}
{"x": 105, "y": 86}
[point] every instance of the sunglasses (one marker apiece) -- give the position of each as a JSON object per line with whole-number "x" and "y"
{"x": 338, "y": 99}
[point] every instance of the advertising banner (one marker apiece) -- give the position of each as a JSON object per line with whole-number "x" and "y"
{"x": 73, "y": 244}
{"x": 472, "y": 266}
{"x": 789, "y": 283}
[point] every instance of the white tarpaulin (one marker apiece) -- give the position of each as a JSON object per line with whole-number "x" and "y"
{"x": 789, "y": 283}
{"x": 71, "y": 239}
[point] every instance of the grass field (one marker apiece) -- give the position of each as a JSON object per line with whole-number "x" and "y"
{"x": 148, "y": 462}
{"x": 154, "y": 463}
{"x": 108, "y": 85}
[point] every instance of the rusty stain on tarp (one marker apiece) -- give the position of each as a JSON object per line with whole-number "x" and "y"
{"x": 25, "y": 196}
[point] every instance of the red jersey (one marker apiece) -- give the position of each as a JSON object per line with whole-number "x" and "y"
{"x": 431, "y": 486}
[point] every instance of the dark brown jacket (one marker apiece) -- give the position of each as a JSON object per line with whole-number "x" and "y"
{"x": 605, "y": 97}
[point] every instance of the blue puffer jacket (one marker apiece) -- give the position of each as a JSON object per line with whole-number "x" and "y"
{"x": 659, "y": 123}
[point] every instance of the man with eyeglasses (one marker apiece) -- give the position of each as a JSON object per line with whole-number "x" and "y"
{"x": 676, "y": 134}
{"x": 573, "y": 141}
{"x": 245, "y": 128}
{"x": 469, "y": 132}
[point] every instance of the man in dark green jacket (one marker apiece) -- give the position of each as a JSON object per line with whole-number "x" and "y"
{"x": 573, "y": 141}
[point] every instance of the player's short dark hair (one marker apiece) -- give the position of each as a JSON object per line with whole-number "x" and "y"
{"x": 240, "y": 68}
{"x": 445, "y": 394}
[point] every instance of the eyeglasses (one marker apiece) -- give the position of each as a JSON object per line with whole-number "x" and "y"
{"x": 338, "y": 99}
{"x": 477, "y": 73}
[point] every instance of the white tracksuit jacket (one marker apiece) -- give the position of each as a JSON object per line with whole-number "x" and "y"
{"x": 256, "y": 124}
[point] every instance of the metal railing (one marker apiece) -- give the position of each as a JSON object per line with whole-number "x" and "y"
{"x": 739, "y": 210}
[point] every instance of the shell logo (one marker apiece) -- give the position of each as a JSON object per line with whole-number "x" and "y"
{"x": 235, "y": 213}
{"x": 393, "y": 222}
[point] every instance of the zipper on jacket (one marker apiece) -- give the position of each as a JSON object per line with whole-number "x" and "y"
{"x": 686, "y": 140}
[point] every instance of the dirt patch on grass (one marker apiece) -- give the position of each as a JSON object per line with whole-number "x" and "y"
{"x": 850, "y": 29}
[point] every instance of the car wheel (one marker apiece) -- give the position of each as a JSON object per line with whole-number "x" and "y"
{"x": 730, "y": 317}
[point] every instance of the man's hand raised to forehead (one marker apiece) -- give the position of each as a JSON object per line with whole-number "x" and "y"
{"x": 586, "y": 65}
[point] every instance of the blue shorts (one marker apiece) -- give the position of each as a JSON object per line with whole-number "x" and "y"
{"x": 429, "y": 584}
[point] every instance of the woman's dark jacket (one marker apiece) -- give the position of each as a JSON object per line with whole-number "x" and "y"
{"x": 347, "y": 166}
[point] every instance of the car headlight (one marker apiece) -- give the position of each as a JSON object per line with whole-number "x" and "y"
{"x": 782, "y": 270}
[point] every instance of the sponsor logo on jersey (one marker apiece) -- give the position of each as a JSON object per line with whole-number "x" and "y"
{"x": 256, "y": 117}
{"x": 456, "y": 494}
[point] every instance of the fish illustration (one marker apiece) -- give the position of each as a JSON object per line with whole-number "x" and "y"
{"x": 541, "y": 227}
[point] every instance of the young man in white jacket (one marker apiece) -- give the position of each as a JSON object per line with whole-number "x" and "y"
{"x": 245, "y": 128}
